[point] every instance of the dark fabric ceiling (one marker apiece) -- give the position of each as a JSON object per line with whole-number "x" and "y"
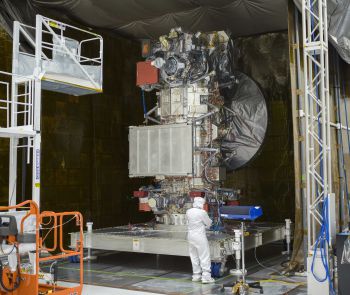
{"x": 152, "y": 18}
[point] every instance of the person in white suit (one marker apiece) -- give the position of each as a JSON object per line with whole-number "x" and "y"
{"x": 197, "y": 222}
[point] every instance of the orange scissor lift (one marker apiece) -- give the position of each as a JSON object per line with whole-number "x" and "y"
{"x": 31, "y": 281}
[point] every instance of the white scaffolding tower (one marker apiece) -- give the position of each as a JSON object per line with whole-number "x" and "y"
{"x": 44, "y": 57}
{"x": 319, "y": 196}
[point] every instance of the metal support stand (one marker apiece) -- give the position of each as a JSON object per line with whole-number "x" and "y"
{"x": 244, "y": 271}
{"x": 89, "y": 257}
{"x": 237, "y": 247}
{"x": 288, "y": 237}
{"x": 241, "y": 287}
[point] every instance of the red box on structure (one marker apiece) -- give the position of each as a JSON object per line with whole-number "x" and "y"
{"x": 146, "y": 73}
{"x": 232, "y": 203}
{"x": 144, "y": 207}
{"x": 140, "y": 194}
{"x": 194, "y": 194}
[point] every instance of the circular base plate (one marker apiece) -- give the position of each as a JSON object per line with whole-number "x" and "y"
{"x": 237, "y": 272}
{"x": 87, "y": 258}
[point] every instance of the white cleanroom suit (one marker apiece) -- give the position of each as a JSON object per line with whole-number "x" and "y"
{"x": 197, "y": 221}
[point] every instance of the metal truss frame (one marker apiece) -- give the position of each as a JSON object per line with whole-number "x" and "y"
{"x": 317, "y": 113}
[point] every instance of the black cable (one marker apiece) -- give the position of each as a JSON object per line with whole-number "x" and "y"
{"x": 18, "y": 279}
{"x": 2, "y": 250}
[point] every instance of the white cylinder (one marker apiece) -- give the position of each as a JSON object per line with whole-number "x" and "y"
{"x": 237, "y": 247}
{"x": 89, "y": 227}
{"x": 288, "y": 232}
{"x": 88, "y": 236}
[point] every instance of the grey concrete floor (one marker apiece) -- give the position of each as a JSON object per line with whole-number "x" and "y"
{"x": 172, "y": 274}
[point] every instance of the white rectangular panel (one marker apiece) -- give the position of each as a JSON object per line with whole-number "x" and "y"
{"x": 160, "y": 150}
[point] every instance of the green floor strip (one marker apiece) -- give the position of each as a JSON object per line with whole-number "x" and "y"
{"x": 122, "y": 274}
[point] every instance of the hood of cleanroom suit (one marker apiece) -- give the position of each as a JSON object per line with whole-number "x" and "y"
{"x": 198, "y": 202}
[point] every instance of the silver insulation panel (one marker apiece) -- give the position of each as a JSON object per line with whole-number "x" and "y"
{"x": 160, "y": 150}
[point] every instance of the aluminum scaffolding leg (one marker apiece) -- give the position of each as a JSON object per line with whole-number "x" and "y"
{"x": 37, "y": 112}
{"x": 36, "y": 169}
{"x": 317, "y": 146}
{"x": 13, "y": 172}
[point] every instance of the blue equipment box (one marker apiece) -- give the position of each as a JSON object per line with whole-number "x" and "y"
{"x": 241, "y": 212}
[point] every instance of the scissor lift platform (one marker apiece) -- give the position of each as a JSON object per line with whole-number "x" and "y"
{"x": 70, "y": 58}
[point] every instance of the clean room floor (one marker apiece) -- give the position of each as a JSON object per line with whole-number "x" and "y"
{"x": 130, "y": 273}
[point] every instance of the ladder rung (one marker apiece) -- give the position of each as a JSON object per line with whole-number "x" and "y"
{"x": 22, "y": 103}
